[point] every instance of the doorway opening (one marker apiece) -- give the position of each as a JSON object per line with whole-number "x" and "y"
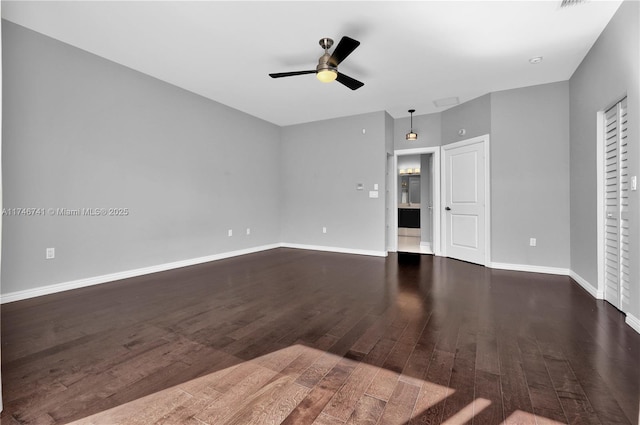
{"x": 415, "y": 202}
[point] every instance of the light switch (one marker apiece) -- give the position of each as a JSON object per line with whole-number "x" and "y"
{"x": 373, "y": 194}
{"x": 634, "y": 183}
{"x": 375, "y": 186}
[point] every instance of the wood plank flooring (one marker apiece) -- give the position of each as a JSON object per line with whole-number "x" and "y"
{"x": 300, "y": 337}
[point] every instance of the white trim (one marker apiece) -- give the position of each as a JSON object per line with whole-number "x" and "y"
{"x": 551, "y": 270}
{"x": 487, "y": 191}
{"x": 529, "y": 268}
{"x": 425, "y": 248}
{"x": 600, "y": 207}
{"x": 1, "y": 405}
{"x": 425, "y": 244}
{"x": 81, "y": 283}
{"x": 335, "y": 249}
{"x": 435, "y": 150}
{"x": 596, "y": 293}
{"x": 388, "y": 204}
{"x": 633, "y": 321}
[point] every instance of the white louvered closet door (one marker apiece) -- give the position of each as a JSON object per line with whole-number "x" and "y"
{"x": 616, "y": 192}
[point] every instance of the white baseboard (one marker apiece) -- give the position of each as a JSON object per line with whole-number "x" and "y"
{"x": 425, "y": 248}
{"x": 529, "y": 268}
{"x": 587, "y": 286}
{"x": 630, "y": 320}
{"x": 81, "y": 283}
{"x": 633, "y": 321}
{"x": 593, "y": 291}
{"x": 96, "y": 280}
{"x": 335, "y": 249}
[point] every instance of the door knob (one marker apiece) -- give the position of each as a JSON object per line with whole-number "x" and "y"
{"x": 447, "y": 208}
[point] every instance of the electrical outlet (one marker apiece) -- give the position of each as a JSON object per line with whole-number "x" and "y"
{"x": 324, "y": 230}
{"x": 50, "y": 253}
{"x": 532, "y": 242}
{"x": 248, "y": 231}
{"x": 230, "y": 232}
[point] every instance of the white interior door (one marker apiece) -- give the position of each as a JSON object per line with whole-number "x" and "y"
{"x": 465, "y": 200}
{"x": 616, "y": 205}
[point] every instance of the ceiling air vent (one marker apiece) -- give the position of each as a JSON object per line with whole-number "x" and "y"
{"x": 567, "y": 3}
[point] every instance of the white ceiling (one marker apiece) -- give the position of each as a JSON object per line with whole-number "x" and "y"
{"x": 412, "y": 53}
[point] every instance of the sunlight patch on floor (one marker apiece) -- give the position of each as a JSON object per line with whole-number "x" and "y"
{"x": 267, "y": 389}
{"x": 467, "y": 413}
{"x": 524, "y": 418}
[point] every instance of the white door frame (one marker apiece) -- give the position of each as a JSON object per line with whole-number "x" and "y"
{"x": 435, "y": 190}
{"x": 600, "y": 203}
{"x": 487, "y": 192}
{"x": 389, "y": 204}
{"x": 0, "y": 177}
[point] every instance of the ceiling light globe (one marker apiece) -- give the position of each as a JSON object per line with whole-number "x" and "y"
{"x": 327, "y": 75}
{"x": 412, "y": 136}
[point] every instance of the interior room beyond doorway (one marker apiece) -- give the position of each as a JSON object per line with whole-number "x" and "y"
{"x": 415, "y": 203}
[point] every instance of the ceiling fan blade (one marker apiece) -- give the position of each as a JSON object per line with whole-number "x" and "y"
{"x": 290, "y": 74}
{"x": 352, "y": 83}
{"x": 343, "y": 49}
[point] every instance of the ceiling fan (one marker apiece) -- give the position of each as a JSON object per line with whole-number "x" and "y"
{"x": 327, "y": 69}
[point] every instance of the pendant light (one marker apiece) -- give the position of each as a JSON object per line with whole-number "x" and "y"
{"x": 411, "y": 135}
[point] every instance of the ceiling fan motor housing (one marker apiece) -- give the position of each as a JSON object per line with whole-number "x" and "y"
{"x": 325, "y": 63}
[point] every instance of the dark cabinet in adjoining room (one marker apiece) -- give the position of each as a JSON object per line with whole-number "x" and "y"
{"x": 409, "y": 217}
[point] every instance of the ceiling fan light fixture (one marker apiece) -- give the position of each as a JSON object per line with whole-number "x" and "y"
{"x": 411, "y": 135}
{"x": 327, "y": 69}
{"x": 326, "y": 75}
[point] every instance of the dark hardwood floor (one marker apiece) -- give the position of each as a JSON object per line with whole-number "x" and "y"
{"x": 301, "y": 337}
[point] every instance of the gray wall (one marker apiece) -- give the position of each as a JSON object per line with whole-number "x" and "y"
{"x": 474, "y": 116}
{"x": 609, "y": 71}
{"x": 80, "y": 131}
{"x": 321, "y": 164}
{"x": 530, "y": 175}
{"x": 389, "y": 126}
{"x": 529, "y": 151}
